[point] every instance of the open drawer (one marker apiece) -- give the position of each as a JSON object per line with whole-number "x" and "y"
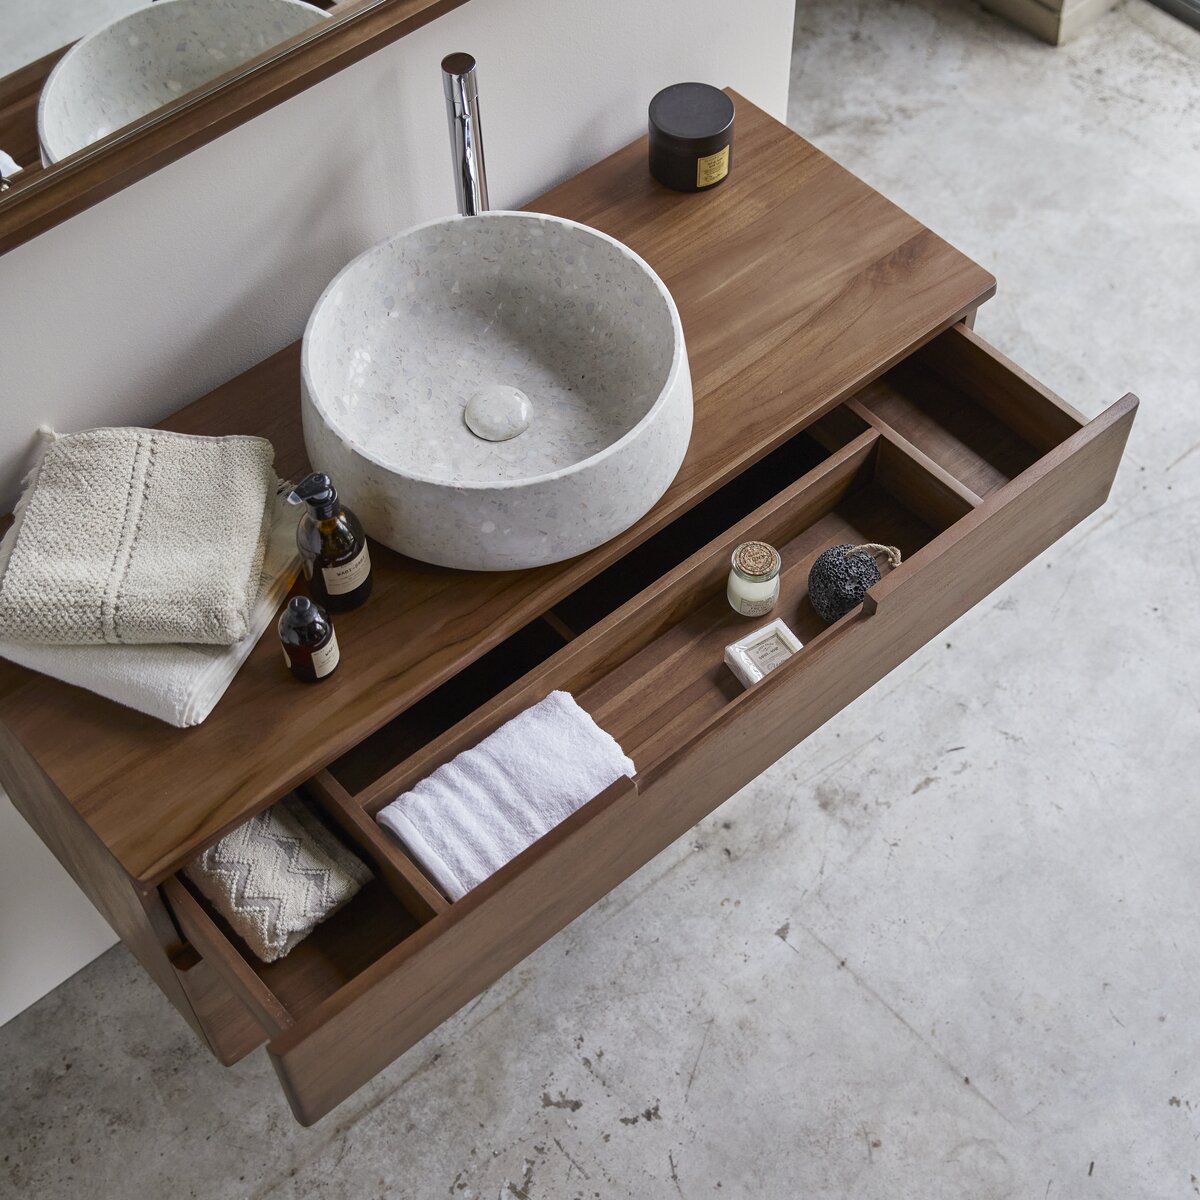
{"x": 955, "y": 456}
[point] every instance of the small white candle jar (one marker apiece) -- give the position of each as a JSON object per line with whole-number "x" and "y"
{"x": 753, "y": 587}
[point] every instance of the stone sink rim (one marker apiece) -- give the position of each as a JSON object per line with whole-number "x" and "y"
{"x": 665, "y": 392}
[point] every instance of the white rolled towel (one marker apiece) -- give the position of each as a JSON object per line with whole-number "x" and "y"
{"x": 480, "y": 810}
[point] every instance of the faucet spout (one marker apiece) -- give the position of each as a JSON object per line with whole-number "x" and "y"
{"x": 461, "y": 87}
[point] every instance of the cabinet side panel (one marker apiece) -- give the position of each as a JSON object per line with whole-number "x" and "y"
{"x": 140, "y": 920}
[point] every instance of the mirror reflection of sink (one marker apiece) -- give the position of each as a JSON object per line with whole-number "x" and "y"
{"x": 499, "y": 391}
{"x": 152, "y": 56}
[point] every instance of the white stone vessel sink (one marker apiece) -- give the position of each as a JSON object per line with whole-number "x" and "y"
{"x": 436, "y": 327}
{"x": 152, "y": 56}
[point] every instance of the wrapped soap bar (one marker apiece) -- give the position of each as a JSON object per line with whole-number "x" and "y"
{"x": 757, "y": 654}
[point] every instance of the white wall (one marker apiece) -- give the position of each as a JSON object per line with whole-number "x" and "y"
{"x": 189, "y": 277}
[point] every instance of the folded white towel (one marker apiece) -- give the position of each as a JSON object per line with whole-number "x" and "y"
{"x": 479, "y": 811}
{"x": 277, "y": 877}
{"x": 178, "y": 684}
{"x": 137, "y": 535}
{"x": 8, "y": 165}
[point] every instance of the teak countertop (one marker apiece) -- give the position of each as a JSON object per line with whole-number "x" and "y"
{"x": 796, "y": 283}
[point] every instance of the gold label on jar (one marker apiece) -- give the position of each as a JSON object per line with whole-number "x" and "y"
{"x": 345, "y": 577}
{"x": 325, "y": 659}
{"x": 712, "y": 168}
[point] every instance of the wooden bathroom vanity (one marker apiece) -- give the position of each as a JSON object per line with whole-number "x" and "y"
{"x": 840, "y": 396}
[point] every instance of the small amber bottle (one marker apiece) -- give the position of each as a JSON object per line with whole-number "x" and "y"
{"x": 333, "y": 546}
{"x": 310, "y": 646}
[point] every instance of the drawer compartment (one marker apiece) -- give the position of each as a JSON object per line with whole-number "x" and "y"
{"x": 660, "y": 696}
{"x": 956, "y": 457}
{"x": 962, "y": 405}
{"x": 386, "y": 911}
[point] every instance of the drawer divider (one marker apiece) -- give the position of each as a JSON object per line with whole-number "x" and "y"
{"x": 947, "y": 576}
{"x": 1110, "y": 428}
{"x": 1010, "y": 393}
{"x": 956, "y": 489}
{"x": 400, "y": 873}
{"x": 559, "y": 625}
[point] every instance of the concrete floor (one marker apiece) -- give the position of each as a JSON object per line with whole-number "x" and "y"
{"x": 944, "y": 949}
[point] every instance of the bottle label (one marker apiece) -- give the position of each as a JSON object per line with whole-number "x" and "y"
{"x": 325, "y": 659}
{"x": 345, "y": 577}
{"x": 712, "y": 168}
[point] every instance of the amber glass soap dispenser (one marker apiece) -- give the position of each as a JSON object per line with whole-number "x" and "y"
{"x": 332, "y": 545}
{"x": 310, "y": 646}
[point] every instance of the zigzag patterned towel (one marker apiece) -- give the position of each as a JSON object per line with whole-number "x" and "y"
{"x": 277, "y": 877}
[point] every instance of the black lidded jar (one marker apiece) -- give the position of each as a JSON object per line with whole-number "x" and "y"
{"x": 310, "y": 646}
{"x": 691, "y": 136}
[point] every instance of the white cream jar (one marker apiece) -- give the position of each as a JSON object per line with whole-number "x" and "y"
{"x": 753, "y": 588}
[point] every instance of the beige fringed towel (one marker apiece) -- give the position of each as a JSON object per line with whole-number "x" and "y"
{"x": 137, "y": 536}
{"x": 277, "y": 877}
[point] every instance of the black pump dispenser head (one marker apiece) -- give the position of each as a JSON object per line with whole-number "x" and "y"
{"x": 318, "y": 492}
{"x": 302, "y": 610}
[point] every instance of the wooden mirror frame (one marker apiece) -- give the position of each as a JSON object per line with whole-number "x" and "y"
{"x": 50, "y": 196}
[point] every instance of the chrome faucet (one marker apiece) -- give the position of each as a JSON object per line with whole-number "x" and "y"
{"x": 461, "y": 88}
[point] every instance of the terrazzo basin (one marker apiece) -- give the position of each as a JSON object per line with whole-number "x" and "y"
{"x": 152, "y": 56}
{"x": 495, "y": 392}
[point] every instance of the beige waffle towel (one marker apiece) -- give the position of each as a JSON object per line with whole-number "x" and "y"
{"x": 137, "y": 536}
{"x": 277, "y": 877}
{"x": 179, "y": 683}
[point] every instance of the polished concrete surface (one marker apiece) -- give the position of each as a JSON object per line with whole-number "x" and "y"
{"x": 946, "y": 949}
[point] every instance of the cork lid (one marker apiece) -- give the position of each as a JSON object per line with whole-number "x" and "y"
{"x": 756, "y": 560}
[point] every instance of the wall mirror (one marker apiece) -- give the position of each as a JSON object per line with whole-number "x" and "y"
{"x": 96, "y": 94}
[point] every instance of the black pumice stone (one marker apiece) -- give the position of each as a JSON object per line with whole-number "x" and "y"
{"x": 837, "y": 581}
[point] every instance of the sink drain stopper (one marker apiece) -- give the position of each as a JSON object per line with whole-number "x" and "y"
{"x": 498, "y": 413}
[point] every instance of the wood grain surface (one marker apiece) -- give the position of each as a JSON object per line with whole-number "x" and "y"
{"x": 796, "y": 283}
